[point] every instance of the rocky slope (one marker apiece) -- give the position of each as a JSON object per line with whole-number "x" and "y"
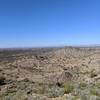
{"x": 50, "y": 74}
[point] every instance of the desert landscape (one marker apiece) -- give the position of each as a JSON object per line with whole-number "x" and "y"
{"x": 66, "y": 73}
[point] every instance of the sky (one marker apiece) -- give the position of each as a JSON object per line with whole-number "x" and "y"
{"x": 39, "y": 23}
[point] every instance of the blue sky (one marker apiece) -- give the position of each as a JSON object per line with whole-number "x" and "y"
{"x": 34, "y": 23}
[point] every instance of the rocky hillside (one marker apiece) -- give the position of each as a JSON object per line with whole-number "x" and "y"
{"x": 50, "y": 74}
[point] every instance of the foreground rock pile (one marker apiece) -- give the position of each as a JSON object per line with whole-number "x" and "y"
{"x": 50, "y": 74}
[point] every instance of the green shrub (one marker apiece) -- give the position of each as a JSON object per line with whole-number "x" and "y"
{"x": 75, "y": 98}
{"x": 98, "y": 85}
{"x": 94, "y": 92}
{"x": 68, "y": 88}
{"x": 82, "y": 85}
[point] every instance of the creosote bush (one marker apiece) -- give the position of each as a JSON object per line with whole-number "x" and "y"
{"x": 82, "y": 85}
{"x": 94, "y": 92}
{"x": 68, "y": 88}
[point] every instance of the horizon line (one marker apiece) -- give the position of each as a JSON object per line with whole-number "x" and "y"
{"x": 56, "y": 46}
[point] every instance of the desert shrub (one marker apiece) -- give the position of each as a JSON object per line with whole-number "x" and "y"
{"x": 94, "y": 92}
{"x": 68, "y": 88}
{"x": 40, "y": 90}
{"x": 93, "y": 74}
{"x": 98, "y": 85}
{"x": 75, "y": 98}
{"x": 7, "y": 98}
{"x": 55, "y": 93}
{"x": 2, "y": 80}
{"x": 82, "y": 85}
{"x": 84, "y": 97}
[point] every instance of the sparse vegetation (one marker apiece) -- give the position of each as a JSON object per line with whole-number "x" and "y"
{"x": 68, "y": 88}
{"x": 93, "y": 74}
{"x": 94, "y": 92}
{"x": 82, "y": 85}
{"x": 50, "y": 74}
